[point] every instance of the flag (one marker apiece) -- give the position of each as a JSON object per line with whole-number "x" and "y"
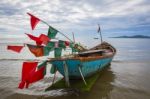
{"x": 44, "y": 38}
{"x": 39, "y": 40}
{"x": 74, "y": 50}
{"x": 43, "y": 64}
{"x": 56, "y": 44}
{"x": 28, "y": 69}
{"x": 57, "y": 52}
{"x": 15, "y": 48}
{"x": 47, "y": 50}
{"x": 52, "y": 32}
{"x": 37, "y": 75}
{"x": 34, "y": 20}
{"x": 36, "y": 50}
{"x": 67, "y": 43}
{"x": 32, "y": 37}
{"x": 30, "y": 74}
{"x": 53, "y": 69}
{"x": 51, "y": 44}
{"x": 62, "y": 44}
{"x": 36, "y": 39}
{"x": 39, "y": 51}
{"x": 73, "y": 47}
{"x": 99, "y": 29}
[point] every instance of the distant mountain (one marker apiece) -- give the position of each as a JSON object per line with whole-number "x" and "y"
{"x": 134, "y": 36}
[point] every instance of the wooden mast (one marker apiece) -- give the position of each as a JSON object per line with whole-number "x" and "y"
{"x": 73, "y": 37}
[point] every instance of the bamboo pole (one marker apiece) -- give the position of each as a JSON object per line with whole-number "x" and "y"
{"x": 66, "y": 74}
{"x": 58, "y": 31}
{"x": 82, "y": 75}
{"x": 54, "y": 75}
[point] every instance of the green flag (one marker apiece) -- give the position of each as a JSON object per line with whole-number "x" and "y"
{"x": 53, "y": 69}
{"x": 62, "y": 44}
{"x": 74, "y": 50}
{"x": 57, "y": 52}
{"x": 72, "y": 46}
{"x": 41, "y": 65}
{"x": 47, "y": 50}
{"x": 52, "y": 32}
{"x": 51, "y": 44}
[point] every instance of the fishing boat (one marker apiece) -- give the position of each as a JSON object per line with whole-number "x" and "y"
{"x": 85, "y": 63}
{"x": 81, "y": 64}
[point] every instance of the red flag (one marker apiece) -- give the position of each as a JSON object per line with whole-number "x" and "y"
{"x": 30, "y": 75}
{"x": 28, "y": 69}
{"x": 45, "y": 39}
{"x": 21, "y": 84}
{"x": 67, "y": 43}
{"x": 36, "y": 50}
{"x": 34, "y": 21}
{"x": 38, "y": 41}
{"x": 15, "y": 48}
{"x": 38, "y": 75}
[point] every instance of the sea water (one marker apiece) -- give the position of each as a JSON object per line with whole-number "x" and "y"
{"x": 126, "y": 78}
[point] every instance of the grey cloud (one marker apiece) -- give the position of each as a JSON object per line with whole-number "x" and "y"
{"x": 8, "y": 10}
{"x": 80, "y": 16}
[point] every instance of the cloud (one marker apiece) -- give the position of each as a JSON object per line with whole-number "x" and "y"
{"x": 82, "y": 16}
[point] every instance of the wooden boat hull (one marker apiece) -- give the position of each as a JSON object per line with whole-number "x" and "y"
{"x": 85, "y": 63}
{"x": 88, "y": 67}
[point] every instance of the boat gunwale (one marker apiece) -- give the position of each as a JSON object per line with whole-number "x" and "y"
{"x": 82, "y": 59}
{"x": 89, "y": 58}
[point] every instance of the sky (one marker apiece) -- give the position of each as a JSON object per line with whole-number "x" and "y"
{"x": 116, "y": 17}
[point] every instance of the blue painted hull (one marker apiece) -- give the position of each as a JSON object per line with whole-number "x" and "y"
{"x": 87, "y": 67}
